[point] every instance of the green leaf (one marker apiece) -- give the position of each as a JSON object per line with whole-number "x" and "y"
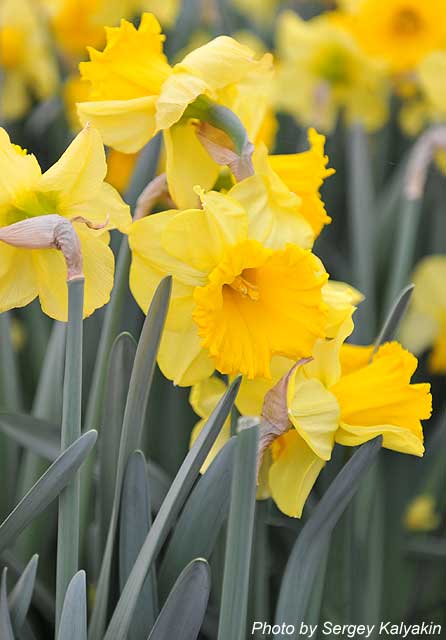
{"x": 394, "y": 317}
{"x": 311, "y": 545}
{"x": 199, "y": 525}
{"x": 73, "y": 619}
{"x": 168, "y": 513}
{"x": 119, "y": 372}
{"x": 20, "y": 598}
{"x": 135, "y": 522}
{"x": 135, "y": 410}
{"x": 234, "y": 605}
{"x": 159, "y": 482}
{"x": 38, "y": 436}
{"x": 182, "y": 615}
{"x": 47, "y": 488}
{"x": 5, "y": 620}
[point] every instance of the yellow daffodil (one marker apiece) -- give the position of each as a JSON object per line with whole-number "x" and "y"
{"x": 135, "y": 93}
{"x": 304, "y": 174}
{"x": 421, "y": 514}
{"x": 262, "y": 13}
{"x": 27, "y": 66}
{"x": 425, "y": 323}
{"x": 238, "y": 298}
{"x": 399, "y": 32}
{"x": 322, "y": 72}
{"x": 341, "y": 301}
{"x": 327, "y": 405}
{"x": 74, "y": 187}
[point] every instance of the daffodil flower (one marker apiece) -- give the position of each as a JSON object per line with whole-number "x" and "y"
{"x": 323, "y": 72}
{"x": 74, "y": 189}
{"x": 421, "y": 514}
{"x": 135, "y": 92}
{"x": 325, "y": 405}
{"x": 399, "y": 32}
{"x": 236, "y": 300}
{"x": 424, "y": 326}
{"x": 27, "y": 65}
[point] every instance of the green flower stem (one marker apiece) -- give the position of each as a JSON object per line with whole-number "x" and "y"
{"x": 362, "y": 232}
{"x": 404, "y": 250}
{"x": 68, "y": 526}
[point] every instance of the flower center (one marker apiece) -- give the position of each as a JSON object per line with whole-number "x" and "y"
{"x": 333, "y": 65}
{"x": 245, "y": 288}
{"x": 406, "y": 22}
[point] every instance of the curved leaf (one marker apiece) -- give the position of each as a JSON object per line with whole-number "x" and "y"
{"x": 200, "y": 522}
{"x": 311, "y": 545}
{"x": 170, "y": 508}
{"x": 5, "y": 620}
{"x": 47, "y": 488}
{"x": 36, "y": 435}
{"x": 73, "y": 619}
{"x": 182, "y": 615}
{"x": 135, "y": 521}
{"x": 20, "y": 598}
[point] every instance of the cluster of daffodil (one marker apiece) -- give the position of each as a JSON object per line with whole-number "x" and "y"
{"x": 249, "y": 295}
{"x": 349, "y": 60}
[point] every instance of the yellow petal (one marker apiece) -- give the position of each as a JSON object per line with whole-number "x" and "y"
{"x": 187, "y": 164}
{"x": 19, "y": 171}
{"x": 379, "y": 398}
{"x": 341, "y": 300}
{"x": 182, "y": 358}
{"x": 17, "y": 281}
{"x": 77, "y": 178}
{"x": 304, "y": 174}
{"x": 145, "y": 240}
{"x": 51, "y": 275}
{"x": 421, "y": 514}
{"x": 252, "y": 393}
{"x": 313, "y": 411}
{"x": 294, "y": 471}
{"x": 354, "y": 357}
{"x": 125, "y": 125}
{"x": 219, "y": 443}
{"x": 205, "y": 395}
{"x": 274, "y": 211}
{"x": 220, "y": 223}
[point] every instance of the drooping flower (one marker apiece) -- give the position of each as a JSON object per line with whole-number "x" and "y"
{"x": 323, "y": 72}
{"x": 326, "y": 405}
{"x": 399, "y": 32}
{"x": 135, "y": 93}
{"x": 27, "y": 65}
{"x": 424, "y": 326}
{"x": 237, "y": 299}
{"x": 73, "y": 188}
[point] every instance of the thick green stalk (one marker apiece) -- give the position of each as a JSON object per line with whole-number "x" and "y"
{"x": 68, "y": 529}
{"x": 361, "y": 194}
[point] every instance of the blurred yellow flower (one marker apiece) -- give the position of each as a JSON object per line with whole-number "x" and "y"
{"x": 421, "y": 514}
{"x": 431, "y": 74}
{"x": 27, "y": 65}
{"x": 236, "y": 300}
{"x": 135, "y": 93}
{"x": 424, "y": 325}
{"x": 304, "y": 174}
{"x": 325, "y": 406}
{"x": 399, "y": 32}
{"x": 323, "y": 72}
{"x": 72, "y": 187}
